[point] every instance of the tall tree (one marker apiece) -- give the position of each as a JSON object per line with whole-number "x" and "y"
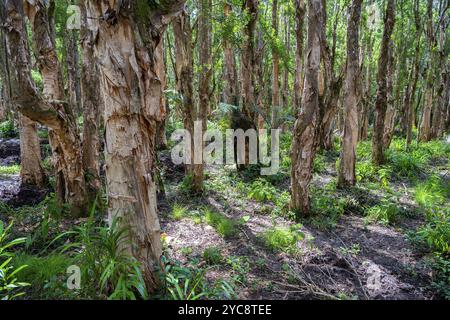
{"x": 300, "y": 11}
{"x": 415, "y": 72}
{"x": 425, "y": 120}
{"x": 381, "y": 99}
{"x": 248, "y": 62}
{"x": 92, "y": 105}
{"x": 184, "y": 65}
{"x": 230, "y": 88}
{"x": 205, "y": 77}
{"x": 304, "y": 142}
{"x": 347, "y": 175}
{"x": 275, "y": 69}
{"x": 49, "y": 110}
{"x": 126, "y": 44}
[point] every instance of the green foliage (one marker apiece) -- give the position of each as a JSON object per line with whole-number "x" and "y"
{"x": 7, "y": 130}
{"x": 241, "y": 267}
{"x": 432, "y": 192}
{"x": 212, "y": 256}
{"x": 184, "y": 283}
{"x": 261, "y": 190}
{"x": 225, "y": 226}
{"x": 366, "y": 171}
{"x": 319, "y": 164}
{"x": 105, "y": 266}
{"x": 384, "y": 213}
{"x": 406, "y": 164}
{"x": 8, "y": 170}
{"x": 436, "y": 233}
{"x": 441, "y": 275}
{"x": 46, "y": 274}
{"x": 179, "y": 212}
{"x": 10, "y": 286}
{"x": 283, "y": 239}
{"x": 327, "y": 208}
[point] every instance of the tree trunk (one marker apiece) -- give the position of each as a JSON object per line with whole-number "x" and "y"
{"x": 51, "y": 111}
{"x": 185, "y": 76}
{"x": 205, "y": 65}
{"x": 230, "y": 96}
{"x": 92, "y": 107}
{"x": 300, "y": 10}
{"x": 73, "y": 71}
{"x": 330, "y": 83}
{"x": 305, "y": 129}
{"x": 248, "y": 64}
{"x": 161, "y": 139}
{"x": 287, "y": 32}
{"x": 411, "y": 88}
{"x": 347, "y": 175}
{"x": 275, "y": 70}
{"x": 381, "y": 100}
{"x": 31, "y": 171}
{"x": 125, "y": 48}
{"x": 391, "y": 112}
{"x": 425, "y": 133}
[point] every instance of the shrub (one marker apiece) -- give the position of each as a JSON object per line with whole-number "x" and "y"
{"x": 406, "y": 164}
{"x": 7, "y": 130}
{"x": 212, "y": 256}
{"x": 110, "y": 270}
{"x": 319, "y": 164}
{"x": 185, "y": 283}
{"x": 8, "y": 170}
{"x": 10, "y": 287}
{"x": 436, "y": 233}
{"x": 226, "y": 227}
{"x": 432, "y": 192}
{"x": 178, "y": 211}
{"x": 384, "y": 213}
{"x": 261, "y": 190}
{"x": 283, "y": 239}
{"x": 45, "y": 274}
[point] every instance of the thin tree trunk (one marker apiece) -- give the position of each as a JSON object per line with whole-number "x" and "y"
{"x": 161, "y": 139}
{"x": 287, "y": 31}
{"x": 425, "y": 133}
{"x": 275, "y": 70}
{"x": 409, "y": 97}
{"x": 391, "y": 112}
{"x": 185, "y": 76}
{"x": 229, "y": 76}
{"x": 300, "y": 10}
{"x": 92, "y": 107}
{"x": 305, "y": 129}
{"x": 248, "y": 62}
{"x": 347, "y": 175}
{"x": 381, "y": 100}
{"x": 205, "y": 75}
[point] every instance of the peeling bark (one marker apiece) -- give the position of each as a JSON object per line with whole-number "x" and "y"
{"x": 381, "y": 100}
{"x": 31, "y": 171}
{"x": 347, "y": 176}
{"x": 92, "y": 107}
{"x": 125, "y": 46}
{"x": 305, "y": 129}
{"x": 248, "y": 62}
{"x": 48, "y": 110}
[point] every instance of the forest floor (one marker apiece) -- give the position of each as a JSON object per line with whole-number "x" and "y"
{"x": 358, "y": 244}
{"x": 339, "y": 255}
